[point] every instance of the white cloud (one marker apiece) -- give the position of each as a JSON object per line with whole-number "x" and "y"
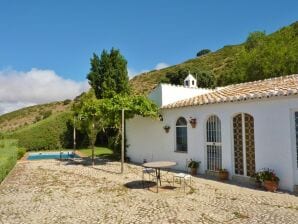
{"x": 6, "y": 107}
{"x": 161, "y": 65}
{"x": 19, "y": 89}
{"x": 132, "y": 72}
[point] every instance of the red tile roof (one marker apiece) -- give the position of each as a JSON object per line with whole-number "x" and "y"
{"x": 280, "y": 86}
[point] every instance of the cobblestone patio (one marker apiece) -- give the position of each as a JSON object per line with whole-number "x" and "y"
{"x": 62, "y": 192}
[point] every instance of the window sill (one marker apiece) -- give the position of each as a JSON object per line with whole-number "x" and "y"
{"x": 180, "y": 151}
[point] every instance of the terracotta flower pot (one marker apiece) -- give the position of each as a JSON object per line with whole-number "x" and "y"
{"x": 167, "y": 130}
{"x": 193, "y": 125}
{"x": 223, "y": 175}
{"x": 193, "y": 171}
{"x": 270, "y": 185}
{"x": 193, "y": 122}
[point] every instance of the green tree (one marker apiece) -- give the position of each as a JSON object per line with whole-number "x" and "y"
{"x": 202, "y": 52}
{"x": 108, "y": 74}
{"x": 255, "y": 39}
{"x": 99, "y": 114}
{"x": 204, "y": 79}
{"x": 175, "y": 78}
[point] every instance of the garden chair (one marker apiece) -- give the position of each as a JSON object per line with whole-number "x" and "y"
{"x": 183, "y": 177}
{"x": 148, "y": 171}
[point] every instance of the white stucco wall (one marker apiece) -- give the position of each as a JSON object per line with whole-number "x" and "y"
{"x": 165, "y": 94}
{"x": 274, "y": 136}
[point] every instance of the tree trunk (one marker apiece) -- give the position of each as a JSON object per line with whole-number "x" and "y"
{"x": 92, "y": 154}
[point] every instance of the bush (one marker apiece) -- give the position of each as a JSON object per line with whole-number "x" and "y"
{"x": 8, "y": 157}
{"x": 66, "y": 102}
{"x": 38, "y": 118}
{"x": 47, "y": 134}
{"x": 202, "y": 52}
{"x": 46, "y": 114}
{"x": 21, "y": 152}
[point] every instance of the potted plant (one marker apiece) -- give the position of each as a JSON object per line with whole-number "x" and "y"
{"x": 193, "y": 165}
{"x": 193, "y": 122}
{"x": 268, "y": 178}
{"x": 167, "y": 128}
{"x": 223, "y": 174}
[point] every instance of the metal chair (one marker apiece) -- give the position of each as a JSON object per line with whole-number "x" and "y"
{"x": 183, "y": 176}
{"x": 150, "y": 171}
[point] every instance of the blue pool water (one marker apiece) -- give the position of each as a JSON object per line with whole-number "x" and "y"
{"x": 52, "y": 155}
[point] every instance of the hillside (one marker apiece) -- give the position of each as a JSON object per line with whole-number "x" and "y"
{"x": 26, "y": 116}
{"x": 217, "y": 62}
{"x": 258, "y": 58}
{"x": 48, "y": 134}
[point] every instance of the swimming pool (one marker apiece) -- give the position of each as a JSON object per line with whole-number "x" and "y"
{"x": 52, "y": 155}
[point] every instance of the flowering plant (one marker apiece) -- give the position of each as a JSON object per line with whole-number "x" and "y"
{"x": 266, "y": 174}
{"x": 193, "y": 164}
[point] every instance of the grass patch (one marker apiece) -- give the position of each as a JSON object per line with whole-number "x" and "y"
{"x": 98, "y": 151}
{"x": 8, "y": 156}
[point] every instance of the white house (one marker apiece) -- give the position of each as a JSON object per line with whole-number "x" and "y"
{"x": 241, "y": 128}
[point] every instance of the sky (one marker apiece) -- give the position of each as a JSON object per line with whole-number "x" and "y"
{"x": 46, "y": 46}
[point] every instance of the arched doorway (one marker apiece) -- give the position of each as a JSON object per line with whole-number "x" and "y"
{"x": 244, "y": 145}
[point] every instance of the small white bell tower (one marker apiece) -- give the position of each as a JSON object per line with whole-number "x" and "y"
{"x": 190, "y": 81}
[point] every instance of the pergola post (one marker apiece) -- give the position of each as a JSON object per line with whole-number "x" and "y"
{"x": 122, "y": 140}
{"x": 74, "y": 134}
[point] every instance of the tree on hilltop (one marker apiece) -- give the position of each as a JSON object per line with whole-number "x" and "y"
{"x": 202, "y": 52}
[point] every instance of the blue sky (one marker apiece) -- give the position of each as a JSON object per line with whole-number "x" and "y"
{"x": 62, "y": 35}
{"x": 59, "y": 36}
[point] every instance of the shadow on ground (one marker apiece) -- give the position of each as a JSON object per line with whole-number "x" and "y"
{"x": 87, "y": 161}
{"x": 139, "y": 184}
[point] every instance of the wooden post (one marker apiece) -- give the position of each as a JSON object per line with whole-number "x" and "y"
{"x": 93, "y": 141}
{"x": 74, "y": 133}
{"x": 122, "y": 141}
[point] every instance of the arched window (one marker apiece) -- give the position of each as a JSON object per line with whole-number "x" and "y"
{"x": 213, "y": 142}
{"x": 181, "y": 135}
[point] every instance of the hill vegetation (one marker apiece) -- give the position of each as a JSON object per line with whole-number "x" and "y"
{"x": 26, "y": 116}
{"x": 51, "y": 133}
{"x": 261, "y": 56}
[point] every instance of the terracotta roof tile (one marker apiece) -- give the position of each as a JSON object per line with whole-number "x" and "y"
{"x": 280, "y": 86}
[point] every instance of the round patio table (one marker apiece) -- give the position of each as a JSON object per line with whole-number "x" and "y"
{"x": 157, "y": 165}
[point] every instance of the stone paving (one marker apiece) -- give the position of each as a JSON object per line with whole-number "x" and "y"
{"x": 62, "y": 192}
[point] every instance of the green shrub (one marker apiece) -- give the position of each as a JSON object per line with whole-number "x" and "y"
{"x": 65, "y": 102}
{"x": 38, "y": 118}
{"x": 46, "y": 114}
{"x": 202, "y": 52}
{"x": 47, "y": 134}
{"x": 21, "y": 152}
{"x": 8, "y": 157}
